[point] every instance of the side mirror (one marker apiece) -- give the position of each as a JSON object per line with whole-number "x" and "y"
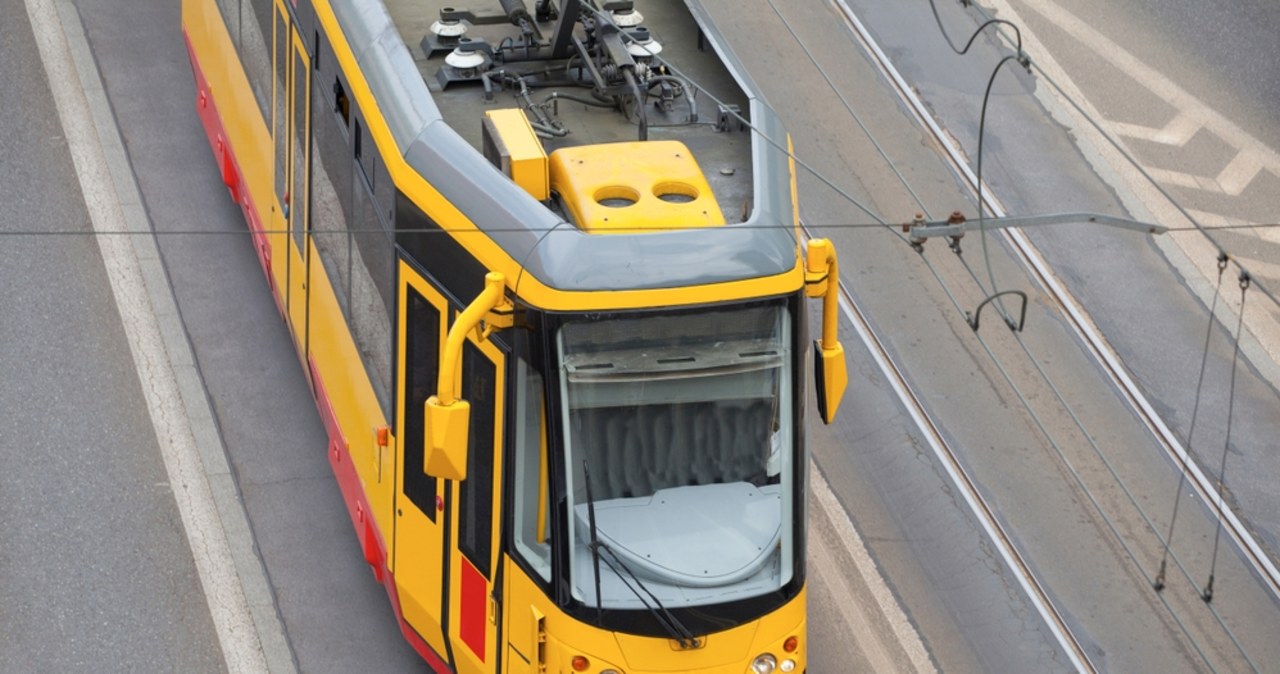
{"x": 822, "y": 279}
{"x": 447, "y": 438}
{"x": 447, "y": 417}
{"x": 830, "y": 377}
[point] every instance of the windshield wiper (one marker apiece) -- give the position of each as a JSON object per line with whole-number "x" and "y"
{"x": 661, "y": 615}
{"x": 595, "y": 539}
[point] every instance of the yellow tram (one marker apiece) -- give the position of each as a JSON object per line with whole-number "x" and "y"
{"x": 543, "y": 269}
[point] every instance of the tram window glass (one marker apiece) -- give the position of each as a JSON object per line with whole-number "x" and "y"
{"x": 421, "y": 354}
{"x": 331, "y": 186}
{"x": 454, "y": 266}
{"x": 475, "y": 517}
{"x": 358, "y": 142}
{"x": 341, "y": 104}
{"x": 364, "y": 155}
{"x": 330, "y": 93}
{"x": 372, "y": 271}
{"x": 331, "y": 203}
{"x": 384, "y": 193}
{"x": 685, "y": 424}
{"x": 298, "y": 191}
{"x": 303, "y": 16}
{"x": 530, "y": 471}
{"x": 254, "y": 48}
{"x": 281, "y": 112}
{"x": 376, "y": 250}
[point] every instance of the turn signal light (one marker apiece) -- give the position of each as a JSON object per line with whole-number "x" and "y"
{"x": 580, "y": 663}
{"x": 790, "y": 644}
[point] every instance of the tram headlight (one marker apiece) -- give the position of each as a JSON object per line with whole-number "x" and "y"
{"x": 764, "y": 663}
{"x": 788, "y": 665}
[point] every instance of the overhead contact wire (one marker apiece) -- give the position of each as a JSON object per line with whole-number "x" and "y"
{"x": 856, "y": 117}
{"x": 776, "y": 144}
{"x": 1119, "y": 147}
{"x": 1150, "y": 523}
{"x": 447, "y": 230}
{"x": 1207, "y": 594}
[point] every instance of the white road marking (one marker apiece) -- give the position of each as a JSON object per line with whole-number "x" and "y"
{"x": 228, "y": 607}
{"x": 855, "y": 613}
{"x": 1214, "y": 219}
{"x": 1231, "y": 181}
{"x": 1239, "y": 172}
{"x": 1182, "y": 128}
{"x": 1187, "y": 105}
{"x": 1183, "y": 179}
{"x": 1189, "y": 252}
{"x": 242, "y": 649}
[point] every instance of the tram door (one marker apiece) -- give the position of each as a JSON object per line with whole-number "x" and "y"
{"x": 291, "y": 136}
{"x": 473, "y": 549}
{"x": 418, "y": 551}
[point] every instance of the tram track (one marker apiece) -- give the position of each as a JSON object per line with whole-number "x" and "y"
{"x": 1097, "y": 346}
{"x": 966, "y": 485}
{"x": 1097, "y": 350}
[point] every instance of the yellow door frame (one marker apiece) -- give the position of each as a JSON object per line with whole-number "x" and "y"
{"x": 473, "y": 608}
{"x": 291, "y": 142}
{"x": 418, "y": 545}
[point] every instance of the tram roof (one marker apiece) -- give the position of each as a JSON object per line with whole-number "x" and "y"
{"x": 556, "y": 252}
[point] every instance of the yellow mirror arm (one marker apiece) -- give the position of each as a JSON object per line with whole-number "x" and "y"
{"x": 821, "y": 268}
{"x": 447, "y": 417}
{"x": 490, "y": 303}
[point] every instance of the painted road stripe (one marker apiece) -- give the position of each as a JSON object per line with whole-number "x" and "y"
{"x": 860, "y": 615}
{"x": 248, "y": 627}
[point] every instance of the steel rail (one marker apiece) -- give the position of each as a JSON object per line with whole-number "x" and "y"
{"x": 1077, "y": 318}
{"x": 996, "y": 532}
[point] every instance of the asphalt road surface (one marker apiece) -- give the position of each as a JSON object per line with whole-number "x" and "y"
{"x": 95, "y": 570}
{"x": 94, "y": 552}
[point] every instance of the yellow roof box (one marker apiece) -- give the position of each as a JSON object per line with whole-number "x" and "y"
{"x": 633, "y": 186}
{"x": 512, "y": 146}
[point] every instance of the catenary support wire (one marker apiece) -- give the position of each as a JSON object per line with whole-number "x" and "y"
{"x": 1226, "y": 444}
{"x": 1195, "y": 412}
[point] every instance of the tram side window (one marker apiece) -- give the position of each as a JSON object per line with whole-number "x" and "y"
{"x": 280, "y": 113}
{"x": 331, "y": 184}
{"x": 341, "y": 104}
{"x": 384, "y": 193}
{"x": 475, "y": 517}
{"x": 364, "y": 155}
{"x": 422, "y": 354}
{"x": 255, "y": 52}
{"x": 372, "y": 277}
{"x": 298, "y": 191}
{"x": 532, "y": 538}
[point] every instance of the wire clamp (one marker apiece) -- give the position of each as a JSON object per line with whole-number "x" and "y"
{"x": 956, "y": 219}
{"x": 915, "y": 238}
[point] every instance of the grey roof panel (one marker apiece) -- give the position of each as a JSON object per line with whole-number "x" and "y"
{"x": 571, "y": 259}
{"x": 402, "y": 96}
{"x": 558, "y": 254}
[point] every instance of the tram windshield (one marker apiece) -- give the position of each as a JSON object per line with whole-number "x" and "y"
{"x": 681, "y": 452}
